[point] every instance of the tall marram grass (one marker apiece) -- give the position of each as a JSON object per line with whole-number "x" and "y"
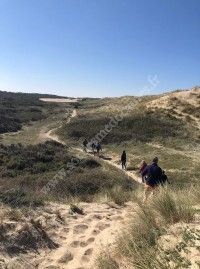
{"x": 174, "y": 206}
{"x": 138, "y": 246}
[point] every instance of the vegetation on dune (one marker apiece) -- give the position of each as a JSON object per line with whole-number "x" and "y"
{"x": 138, "y": 125}
{"x": 143, "y": 244}
{"x": 25, "y": 170}
{"x": 16, "y": 159}
{"x": 17, "y": 109}
{"x": 34, "y": 174}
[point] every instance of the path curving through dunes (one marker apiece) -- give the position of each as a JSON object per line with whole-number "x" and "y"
{"x": 83, "y": 237}
{"x": 50, "y": 135}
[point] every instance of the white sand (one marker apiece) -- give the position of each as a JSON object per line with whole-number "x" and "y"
{"x": 59, "y": 100}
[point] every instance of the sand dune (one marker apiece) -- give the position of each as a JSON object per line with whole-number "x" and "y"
{"x": 70, "y": 240}
{"x": 60, "y": 100}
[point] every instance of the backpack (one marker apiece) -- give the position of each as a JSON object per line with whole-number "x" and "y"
{"x": 164, "y": 178}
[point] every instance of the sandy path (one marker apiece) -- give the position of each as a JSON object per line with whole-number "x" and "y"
{"x": 84, "y": 236}
{"x": 131, "y": 174}
{"x": 70, "y": 240}
{"x": 50, "y": 135}
{"x": 81, "y": 238}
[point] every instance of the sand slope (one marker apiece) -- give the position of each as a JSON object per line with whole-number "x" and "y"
{"x": 67, "y": 240}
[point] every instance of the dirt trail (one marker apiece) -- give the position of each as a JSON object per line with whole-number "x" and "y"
{"x": 82, "y": 237}
{"x": 131, "y": 174}
{"x": 50, "y": 135}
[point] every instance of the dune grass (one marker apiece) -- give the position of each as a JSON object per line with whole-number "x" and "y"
{"x": 174, "y": 206}
{"x": 139, "y": 247}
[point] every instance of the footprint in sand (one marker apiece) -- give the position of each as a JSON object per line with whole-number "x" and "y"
{"x": 90, "y": 240}
{"x": 66, "y": 257}
{"x": 83, "y": 244}
{"x": 87, "y": 255}
{"x": 88, "y": 252}
{"x": 102, "y": 226}
{"x": 95, "y": 232}
{"x": 75, "y": 244}
{"x": 79, "y": 229}
{"x": 86, "y": 243}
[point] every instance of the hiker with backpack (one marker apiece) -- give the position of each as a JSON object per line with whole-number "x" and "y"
{"x": 143, "y": 165}
{"x": 164, "y": 179}
{"x": 123, "y": 160}
{"x": 154, "y": 177}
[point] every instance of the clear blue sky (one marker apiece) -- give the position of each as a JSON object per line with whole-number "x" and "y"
{"x": 99, "y": 47}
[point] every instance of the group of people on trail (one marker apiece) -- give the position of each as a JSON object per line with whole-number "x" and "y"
{"x": 95, "y": 146}
{"x": 152, "y": 175}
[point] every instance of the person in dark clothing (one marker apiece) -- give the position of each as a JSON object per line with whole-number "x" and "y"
{"x": 123, "y": 160}
{"x": 154, "y": 176}
{"x": 85, "y": 142}
{"x": 98, "y": 148}
{"x": 142, "y": 168}
{"x": 93, "y": 146}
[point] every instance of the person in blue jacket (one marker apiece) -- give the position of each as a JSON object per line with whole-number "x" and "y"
{"x": 154, "y": 177}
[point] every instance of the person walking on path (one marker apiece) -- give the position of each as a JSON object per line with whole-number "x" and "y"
{"x": 123, "y": 160}
{"x": 154, "y": 177}
{"x": 93, "y": 146}
{"x": 85, "y": 142}
{"x": 142, "y": 168}
{"x": 98, "y": 148}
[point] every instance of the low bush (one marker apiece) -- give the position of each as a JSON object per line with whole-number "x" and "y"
{"x": 32, "y": 159}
